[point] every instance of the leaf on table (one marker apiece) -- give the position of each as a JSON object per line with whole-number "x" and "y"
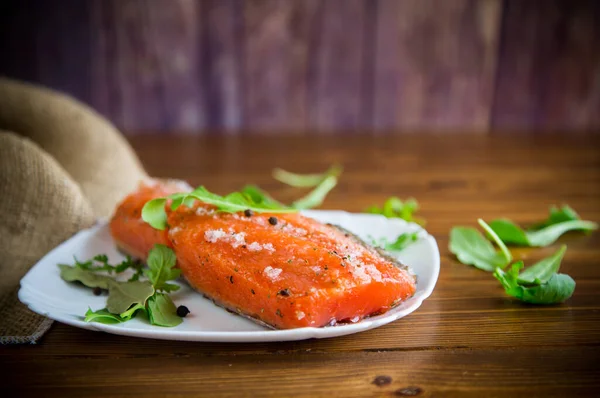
{"x": 162, "y": 311}
{"x": 543, "y": 270}
{"x": 556, "y": 215}
{"x": 555, "y": 290}
{"x": 472, "y": 248}
{"x": 545, "y": 233}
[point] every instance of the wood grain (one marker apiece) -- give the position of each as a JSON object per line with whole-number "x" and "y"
{"x": 337, "y": 59}
{"x": 222, "y": 64}
{"x": 277, "y": 38}
{"x": 145, "y": 66}
{"x": 467, "y": 339}
{"x": 549, "y": 66}
{"x": 435, "y": 64}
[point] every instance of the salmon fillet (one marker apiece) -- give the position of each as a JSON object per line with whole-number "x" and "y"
{"x": 283, "y": 270}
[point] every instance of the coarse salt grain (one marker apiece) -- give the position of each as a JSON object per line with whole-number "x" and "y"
{"x": 272, "y": 273}
{"x": 300, "y": 315}
{"x": 213, "y": 235}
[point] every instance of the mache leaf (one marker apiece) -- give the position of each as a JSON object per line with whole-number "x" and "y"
{"x": 162, "y": 311}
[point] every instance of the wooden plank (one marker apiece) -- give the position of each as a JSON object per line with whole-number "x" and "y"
{"x": 145, "y": 72}
{"x": 435, "y": 64}
{"x": 546, "y": 372}
{"x": 336, "y": 67}
{"x": 276, "y": 60}
{"x": 549, "y": 66}
{"x": 222, "y": 64}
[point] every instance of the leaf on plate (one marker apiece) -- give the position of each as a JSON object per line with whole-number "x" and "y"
{"x": 102, "y": 316}
{"x": 162, "y": 311}
{"x": 161, "y": 260}
{"x": 122, "y": 295}
{"x": 394, "y": 207}
{"x": 400, "y": 243}
{"x": 154, "y": 212}
{"x": 88, "y": 278}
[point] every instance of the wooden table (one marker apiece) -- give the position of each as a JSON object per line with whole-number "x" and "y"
{"x": 468, "y": 339}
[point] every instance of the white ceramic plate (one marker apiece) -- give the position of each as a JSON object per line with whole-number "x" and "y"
{"x": 44, "y": 292}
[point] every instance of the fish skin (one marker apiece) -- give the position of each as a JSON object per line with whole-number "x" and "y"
{"x": 297, "y": 273}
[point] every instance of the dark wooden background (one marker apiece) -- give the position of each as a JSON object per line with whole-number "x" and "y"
{"x": 315, "y": 65}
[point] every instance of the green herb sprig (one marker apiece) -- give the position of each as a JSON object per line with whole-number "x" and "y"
{"x": 401, "y": 242}
{"x": 545, "y": 233}
{"x": 395, "y": 207}
{"x": 538, "y": 284}
{"x": 154, "y": 212}
{"x": 126, "y": 299}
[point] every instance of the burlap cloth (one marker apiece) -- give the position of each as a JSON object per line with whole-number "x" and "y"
{"x": 62, "y": 166}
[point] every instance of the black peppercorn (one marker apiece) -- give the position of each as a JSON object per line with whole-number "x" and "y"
{"x": 97, "y": 291}
{"x": 182, "y": 311}
{"x": 273, "y": 220}
{"x": 284, "y": 293}
{"x": 248, "y": 213}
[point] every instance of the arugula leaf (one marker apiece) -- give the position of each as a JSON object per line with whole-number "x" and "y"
{"x": 260, "y": 197}
{"x": 543, "y": 270}
{"x": 555, "y": 290}
{"x": 102, "y": 316}
{"x": 122, "y": 295}
{"x": 565, "y": 213}
{"x": 471, "y": 247}
{"x": 161, "y": 261}
{"x": 306, "y": 180}
{"x": 402, "y": 241}
{"x": 316, "y": 197}
{"x": 154, "y": 212}
{"x": 511, "y": 233}
{"x": 394, "y": 207}
{"x": 88, "y": 278}
{"x": 162, "y": 311}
